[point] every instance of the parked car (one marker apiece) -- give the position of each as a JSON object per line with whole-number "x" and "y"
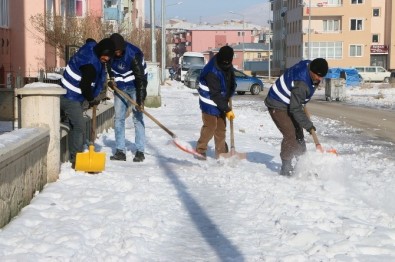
{"x": 246, "y": 83}
{"x": 191, "y": 77}
{"x": 374, "y": 73}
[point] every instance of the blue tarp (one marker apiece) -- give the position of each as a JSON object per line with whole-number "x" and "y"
{"x": 352, "y": 77}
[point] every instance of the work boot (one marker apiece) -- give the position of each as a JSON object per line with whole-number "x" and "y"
{"x": 202, "y": 157}
{"x": 286, "y": 168}
{"x": 302, "y": 146}
{"x": 226, "y": 148}
{"x": 139, "y": 157}
{"x": 119, "y": 155}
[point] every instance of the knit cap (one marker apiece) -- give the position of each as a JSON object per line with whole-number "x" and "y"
{"x": 319, "y": 66}
{"x": 119, "y": 41}
{"x": 105, "y": 47}
{"x": 225, "y": 55}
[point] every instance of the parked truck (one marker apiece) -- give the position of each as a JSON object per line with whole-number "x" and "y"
{"x": 189, "y": 59}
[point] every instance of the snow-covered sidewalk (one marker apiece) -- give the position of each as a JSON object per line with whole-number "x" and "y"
{"x": 173, "y": 207}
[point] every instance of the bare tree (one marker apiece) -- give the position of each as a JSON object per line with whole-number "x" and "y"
{"x": 59, "y": 32}
{"x": 142, "y": 39}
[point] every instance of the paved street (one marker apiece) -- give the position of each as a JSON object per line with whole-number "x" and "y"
{"x": 377, "y": 123}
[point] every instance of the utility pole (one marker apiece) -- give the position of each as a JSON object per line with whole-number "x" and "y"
{"x": 242, "y": 33}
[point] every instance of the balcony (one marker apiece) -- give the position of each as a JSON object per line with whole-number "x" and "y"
{"x": 320, "y": 31}
{"x": 111, "y": 14}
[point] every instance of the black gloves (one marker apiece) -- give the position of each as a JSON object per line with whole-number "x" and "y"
{"x": 311, "y": 129}
{"x": 93, "y": 102}
{"x": 140, "y": 97}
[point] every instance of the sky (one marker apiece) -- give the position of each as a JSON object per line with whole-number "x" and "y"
{"x": 255, "y": 11}
{"x": 173, "y": 207}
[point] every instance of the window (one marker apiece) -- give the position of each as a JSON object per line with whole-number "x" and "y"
{"x": 375, "y": 38}
{"x": 328, "y": 50}
{"x": 331, "y": 25}
{"x": 4, "y": 15}
{"x": 78, "y": 8}
{"x": 356, "y": 2}
{"x": 75, "y": 7}
{"x": 356, "y": 24}
{"x": 356, "y": 50}
{"x": 376, "y": 12}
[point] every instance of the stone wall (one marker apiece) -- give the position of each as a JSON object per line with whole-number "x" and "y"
{"x": 23, "y": 169}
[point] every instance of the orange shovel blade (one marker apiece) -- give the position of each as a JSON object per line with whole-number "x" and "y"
{"x": 91, "y": 161}
{"x": 233, "y": 153}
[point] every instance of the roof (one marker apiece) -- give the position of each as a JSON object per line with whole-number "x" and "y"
{"x": 226, "y": 25}
{"x": 247, "y": 47}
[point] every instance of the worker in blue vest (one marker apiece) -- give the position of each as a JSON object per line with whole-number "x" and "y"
{"x": 83, "y": 80}
{"x": 129, "y": 70}
{"x": 285, "y": 101}
{"x": 217, "y": 85}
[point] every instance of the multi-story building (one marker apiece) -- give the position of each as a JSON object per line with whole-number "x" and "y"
{"x": 124, "y": 14}
{"x": 20, "y": 52}
{"x": 346, "y": 32}
{"x": 187, "y": 37}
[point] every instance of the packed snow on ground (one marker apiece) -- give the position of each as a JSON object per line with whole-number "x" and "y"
{"x": 173, "y": 207}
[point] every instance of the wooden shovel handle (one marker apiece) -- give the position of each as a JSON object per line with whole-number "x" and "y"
{"x": 93, "y": 126}
{"x": 232, "y": 135}
{"x": 313, "y": 133}
{"x": 112, "y": 85}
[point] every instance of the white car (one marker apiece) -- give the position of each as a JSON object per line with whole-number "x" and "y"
{"x": 374, "y": 73}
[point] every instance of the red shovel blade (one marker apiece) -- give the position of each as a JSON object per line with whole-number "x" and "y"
{"x": 186, "y": 147}
{"x": 322, "y": 150}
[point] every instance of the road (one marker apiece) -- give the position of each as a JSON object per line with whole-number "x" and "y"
{"x": 377, "y": 123}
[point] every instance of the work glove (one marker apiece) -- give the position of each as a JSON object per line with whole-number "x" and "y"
{"x": 311, "y": 129}
{"x": 93, "y": 102}
{"x": 230, "y": 115}
{"x": 140, "y": 97}
{"x": 140, "y": 106}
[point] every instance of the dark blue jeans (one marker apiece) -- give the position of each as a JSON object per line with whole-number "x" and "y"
{"x": 73, "y": 111}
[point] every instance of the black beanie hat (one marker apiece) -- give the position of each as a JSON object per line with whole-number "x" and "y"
{"x": 119, "y": 41}
{"x": 225, "y": 54}
{"x": 105, "y": 47}
{"x": 319, "y": 66}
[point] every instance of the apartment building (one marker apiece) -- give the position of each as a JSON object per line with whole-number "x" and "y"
{"x": 20, "y": 52}
{"x": 187, "y": 37}
{"x": 347, "y": 33}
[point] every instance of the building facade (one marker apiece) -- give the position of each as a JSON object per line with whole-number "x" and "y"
{"x": 347, "y": 33}
{"x": 20, "y": 52}
{"x": 187, "y": 37}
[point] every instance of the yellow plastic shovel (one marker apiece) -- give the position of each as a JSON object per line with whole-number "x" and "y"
{"x": 91, "y": 161}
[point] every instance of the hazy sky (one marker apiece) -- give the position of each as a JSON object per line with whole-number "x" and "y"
{"x": 212, "y": 11}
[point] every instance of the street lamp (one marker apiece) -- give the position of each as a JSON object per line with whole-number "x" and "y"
{"x": 153, "y": 42}
{"x": 242, "y": 33}
{"x": 163, "y": 62}
{"x": 308, "y": 40}
{"x": 270, "y": 22}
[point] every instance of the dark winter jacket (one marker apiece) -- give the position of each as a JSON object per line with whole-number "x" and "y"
{"x": 216, "y": 86}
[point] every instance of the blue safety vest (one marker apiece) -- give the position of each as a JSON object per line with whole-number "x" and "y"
{"x": 72, "y": 75}
{"x": 281, "y": 89}
{"x": 121, "y": 67}
{"x": 207, "y": 105}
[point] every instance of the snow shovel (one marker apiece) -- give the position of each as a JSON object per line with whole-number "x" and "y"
{"x": 318, "y": 146}
{"x": 91, "y": 161}
{"x": 232, "y": 152}
{"x": 180, "y": 144}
